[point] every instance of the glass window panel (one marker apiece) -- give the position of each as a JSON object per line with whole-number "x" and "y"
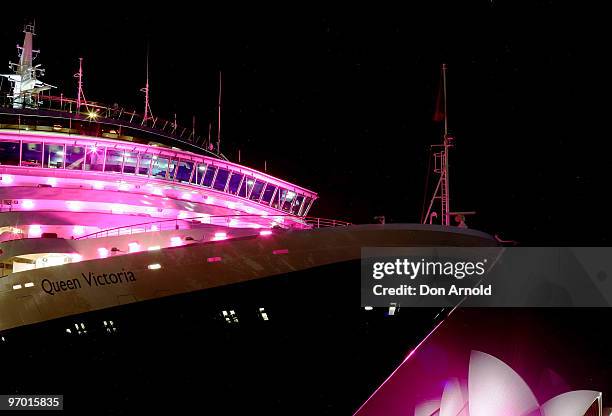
{"x": 94, "y": 160}
{"x": 305, "y": 206}
{"x": 54, "y": 156}
{"x": 246, "y": 187}
{"x": 129, "y": 162}
{"x": 160, "y": 165}
{"x": 199, "y": 173}
{"x": 114, "y": 160}
{"x": 289, "y": 197}
{"x": 183, "y": 172}
{"x": 208, "y": 176}
{"x": 75, "y": 155}
{"x": 234, "y": 182}
{"x": 9, "y": 153}
{"x": 31, "y": 154}
{"x": 221, "y": 180}
{"x": 279, "y": 198}
{"x": 145, "y": 164}
{"x": 172, "y": 168}
{"x": 267, "y": 195}
{"x": 257, "y": 188}
{"x": 297, "y": 204}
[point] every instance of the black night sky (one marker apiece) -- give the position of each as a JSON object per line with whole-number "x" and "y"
{"x": 342, "y": 103}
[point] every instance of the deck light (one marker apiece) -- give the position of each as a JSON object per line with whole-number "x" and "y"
{"x": 27, "y": 204}
{"x": 78, "y": 230}
{"x": 134, "y": 247}
{"x": 175, "y": 241}
{"x": 220, "y": 236}
{"x": 155, "y": 266}
{"x": 265, "y": 232}
{"x": 102, "y": 252}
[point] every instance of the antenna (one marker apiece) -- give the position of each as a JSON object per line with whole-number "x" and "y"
{"x": 219, "y": 116}
{"x": 148, "y": 114}
{"x": 80, "y": 94}
{"x": 440, "y": 153}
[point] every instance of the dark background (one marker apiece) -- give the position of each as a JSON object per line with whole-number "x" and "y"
{"x": 342, "y": 102}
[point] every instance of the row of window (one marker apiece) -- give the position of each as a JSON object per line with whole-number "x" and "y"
{"x": 105, "y": 159}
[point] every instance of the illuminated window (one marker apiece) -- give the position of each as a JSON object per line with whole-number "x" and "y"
{"x": 268, "y": 193}
{"x": 114, "y": 160}
{"x": 208, "y": 176}
{"x": 297, "y": 204}
{"x": 130, "y": 159}
{"x": 221, "y": 180}
{"x": 159, "y": 167}
{"x": 31, "y": 154}
{"x": 75, "y": 155}
{"x": 144, "y": 165}
{"x": 54, "y": 156}
{"x": 246, "y": 187}
{"x": 257, "y": 190}
{"x": 94, "y": 159}
{"x": 183, "y": 173}
{"x": 288, "y": 203}
{"x": 234, "y": 182}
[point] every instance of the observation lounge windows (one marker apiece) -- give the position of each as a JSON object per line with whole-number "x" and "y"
{"x": 257, "y": 189}
{"x": 114, "y": 160}
{"x": 172, "y": 168}
{"x": 75, "y": 155}
{"x": 159, "y": 168}
{"x": 183, "y": 173}
{"x": 9, "y": 153}
{"x": 221, "y": 180}
{"x": 31, "y": 154}
{"x": 306, "y": 206}
{"x": 289, "y": 198}
{"x": 268, "y": 194}
{"x": 279, "y": 198}
{"x": 144, "y": 165}
{"x": 295, "y": 208}
{"x": 199, "y": 173}
{"x": 54, "y": 156}
{"x": 130, "y": 159}
{"x": 246, "y": 187}
{"x": 234, "y": 183}
{"x": 94, "y": 159}
{"x": 209, "y": 176}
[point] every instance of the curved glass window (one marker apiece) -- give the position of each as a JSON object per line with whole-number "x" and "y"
{"x": 306, "y": 206}
{"x": 221, "y": 180}
{"x": 114, "y": 160}
{"x": 268, "y": 194}
{"x": 245, "y": 188}
{"x": 75, "y": 155}
{"x": 130, "y": 159}
{"x": 144, "y": 165}
{"x": 279, "y": 198}
{"x": 94, "y": 160}
{"x": 183, "y": 173}
{"x": 172, "y": 168}
{"x": 257, "y": 189}
{"x": 295, "y": 208}
{"x": 208, "y": 176}
{"x": 234, "y": 182}
{"x": 9, "y": 153}
{"x": 31, "y": 154}
{"x": 54, "y": 156}
{"x": 198, "y": 174}
{"x": 289, "y": 197}
{"x": 159, "y": 167}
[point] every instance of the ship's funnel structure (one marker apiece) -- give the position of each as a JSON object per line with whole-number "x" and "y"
{"x": 24, "y": 81}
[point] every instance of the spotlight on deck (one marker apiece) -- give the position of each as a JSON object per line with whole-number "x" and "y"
{"x": 92, "y": 115}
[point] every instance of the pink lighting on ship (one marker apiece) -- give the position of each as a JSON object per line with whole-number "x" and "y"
{"x": 186, "y": 195}
{"x": 281, "y": 251}
{"x": 76, "y": 257}
{"x": 158, "y": 192}
{"x": 7, "y": 179}
{"x": 176, "y": 241}
{"x": 213, "y": 259}
{"x": 52, "y": 181}
{"x": 98, "y": 185}
{"x": 220, "y": 236}
{"x": 102, "y": 252}
{"x": 74, "y": 205}
{"x": 154, "y": 228}
{"x": 35, "y": 231}
{"x": 124, "y": 186}
{"x": 27, "y": 204}
{"x": 134, "y": 247}
{"x": 78, "y": 230}
{"x": 265, "y": 232}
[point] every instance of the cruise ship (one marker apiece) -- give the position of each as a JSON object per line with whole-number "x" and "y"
{"x": 141, "y": 270}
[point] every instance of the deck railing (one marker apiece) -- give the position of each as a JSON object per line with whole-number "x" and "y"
{"x": 219, "y": 220}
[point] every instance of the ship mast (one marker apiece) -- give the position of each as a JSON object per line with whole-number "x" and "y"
{"x": 440, "y": 153}
{"x": 148, "y": 114}
{"x": 24, "y": 80}
{"x": 80, "y": 94}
